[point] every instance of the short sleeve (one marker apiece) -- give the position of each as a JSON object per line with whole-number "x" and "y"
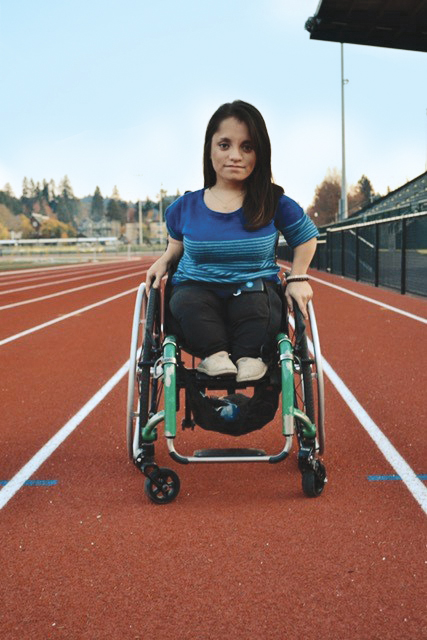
{"x": 295, "y": 225}
{"x": 173, "y": 220}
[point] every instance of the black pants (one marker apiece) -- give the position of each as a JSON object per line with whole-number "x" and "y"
{"x": 243, "y": 325}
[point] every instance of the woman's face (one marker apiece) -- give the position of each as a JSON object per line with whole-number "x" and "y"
{"x": 232, "y": 154}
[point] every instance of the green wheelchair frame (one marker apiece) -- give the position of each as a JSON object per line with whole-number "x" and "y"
{"x": 154, "y": 363}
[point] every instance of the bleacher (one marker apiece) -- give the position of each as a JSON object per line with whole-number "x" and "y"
{"x": 384, "y": 244}
{"x": 409, "y": 198}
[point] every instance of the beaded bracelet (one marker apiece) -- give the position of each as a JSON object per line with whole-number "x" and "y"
{"x": 290, "y": 279}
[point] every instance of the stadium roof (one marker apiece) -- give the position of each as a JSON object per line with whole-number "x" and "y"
{"x": 396, "y": 24}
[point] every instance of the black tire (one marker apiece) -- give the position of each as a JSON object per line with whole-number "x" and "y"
{"x": 169, "y": 489}
{"x": 313, "y": 480}
{"x": 150, "y": 352}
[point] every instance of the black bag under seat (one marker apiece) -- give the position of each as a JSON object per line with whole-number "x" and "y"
{"x": 235, "y": 414}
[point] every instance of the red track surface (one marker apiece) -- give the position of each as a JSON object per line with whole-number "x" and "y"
{"x": 242, "y": 552}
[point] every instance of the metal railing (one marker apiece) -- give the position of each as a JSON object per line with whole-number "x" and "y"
{"x": 391, "y": 252}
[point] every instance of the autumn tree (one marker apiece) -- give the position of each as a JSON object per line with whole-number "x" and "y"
{"x": 56, "y": 229}
{"x": 324, "y": 208}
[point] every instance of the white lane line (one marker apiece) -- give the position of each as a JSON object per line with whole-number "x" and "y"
{"x": 371, "y": 300}
{"x": 19, "y": 479}
{"x": 52, "y": 283}
{"x": 77, "y": 265}
{"x": 118, "y": 266}
{"x": 67, "y": 291}
{"x": 16, "y": 336}
{"x": 412, "y": 482}
{"x": 391, "y": 454}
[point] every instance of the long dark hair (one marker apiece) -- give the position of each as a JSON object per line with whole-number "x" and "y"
{"x": 262, "y": 195}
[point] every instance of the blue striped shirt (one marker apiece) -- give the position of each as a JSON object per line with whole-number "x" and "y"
{"x": 217, "y": 247}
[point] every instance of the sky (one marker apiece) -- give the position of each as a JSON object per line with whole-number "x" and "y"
{"x": 119, "y": 93}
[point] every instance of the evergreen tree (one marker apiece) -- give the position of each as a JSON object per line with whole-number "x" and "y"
{"x": 8, "y": 199}
{"x": 360, "y": 196}
{"x": 8, "y": 190}
{"x": 366, "y": 189}
{"x": 66, "y": 203}
{"x": 113, "y": 206}
{"x": 52, "y": 189}
{"x": 26, "y": 193}
{"x": 97, "y": 207}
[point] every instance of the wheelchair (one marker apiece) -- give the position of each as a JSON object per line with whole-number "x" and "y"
{"x": 163, "y": 378}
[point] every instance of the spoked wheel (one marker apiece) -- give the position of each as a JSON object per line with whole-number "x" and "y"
{"x": 143, "y": 387}
{"x": 162, "y": 486}
{"x": 309, "y": 387}
{"x": 314, "y": 480}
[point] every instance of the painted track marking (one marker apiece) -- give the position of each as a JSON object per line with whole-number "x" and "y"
{"x": 412, "y": 482}
{"x": 391, "y": 454}
{"x": 52, "y": 283}
{"x": 25, "y": 473}
{"x": 421, "y": 476}
{"x": 67, "y": 291}
{"x": 16, "y": 336}
{"x": 366, "y": 298}
{"x": 33, "y": 483}
{"x": 71, "y": 265}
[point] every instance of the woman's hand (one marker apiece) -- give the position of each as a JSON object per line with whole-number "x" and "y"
{"x": 155, "y": 274}
{"x": 157, "y": 270}
{"x": 302, "y": 293}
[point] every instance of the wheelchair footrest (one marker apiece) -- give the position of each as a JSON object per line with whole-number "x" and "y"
{"x": 228, "y": 453}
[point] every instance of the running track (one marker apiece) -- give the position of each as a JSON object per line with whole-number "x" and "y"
{"x": 242, "y": 553}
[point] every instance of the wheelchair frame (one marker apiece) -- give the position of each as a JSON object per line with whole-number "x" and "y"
{"x": 153, "y": 368}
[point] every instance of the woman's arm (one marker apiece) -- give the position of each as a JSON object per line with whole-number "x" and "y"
{"x": 157, "y": 270}
{"x": 301, "y": 292}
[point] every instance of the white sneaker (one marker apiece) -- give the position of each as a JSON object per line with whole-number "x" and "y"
{"x": 218, "y": 364}
{"x": 250, "y": 369}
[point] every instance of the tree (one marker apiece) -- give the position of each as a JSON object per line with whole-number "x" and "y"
{"x": 55, "y": 229}
{"x": 8, "y": 199}
{"x": 65, "y": 204}
{"x": 8, "y": 190}
{"x": 97, "y": 206}
{"x": 4, "y": 233}
{"x": 25, "y": 227}
{"x": 114, "y": 211}
{"x": 26, "y": 193}
{"x": 7, "y": 219}
{"x": 324, "y": 208}
{"x": 360, "y": 196}
{"x": 52, "y": 189}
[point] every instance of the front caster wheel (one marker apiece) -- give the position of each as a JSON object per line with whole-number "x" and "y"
{"x": 162, "y": 486}
{"x": 314, "y": 480}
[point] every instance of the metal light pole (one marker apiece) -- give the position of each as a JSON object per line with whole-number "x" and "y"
{"x": 140, "y": 227}
{"x": 343, "y": 212}
{"x": 141, "y": 237}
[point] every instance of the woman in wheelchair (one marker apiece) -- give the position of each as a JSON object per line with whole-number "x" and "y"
{"x": 225, "y": 298}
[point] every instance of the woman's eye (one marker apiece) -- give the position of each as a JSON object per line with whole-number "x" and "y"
{"x": 223, "y": 145}
{"x": 248, "y": 148}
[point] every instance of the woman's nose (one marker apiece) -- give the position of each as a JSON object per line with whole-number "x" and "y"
{"x": 235, "y": 153}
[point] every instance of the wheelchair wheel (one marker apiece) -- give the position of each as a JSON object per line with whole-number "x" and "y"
{"x": 146, "y": 327}
{"x": 163, "y": 486}
{"x": 313, "y": 480}
{"x": 309, "y": 387}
